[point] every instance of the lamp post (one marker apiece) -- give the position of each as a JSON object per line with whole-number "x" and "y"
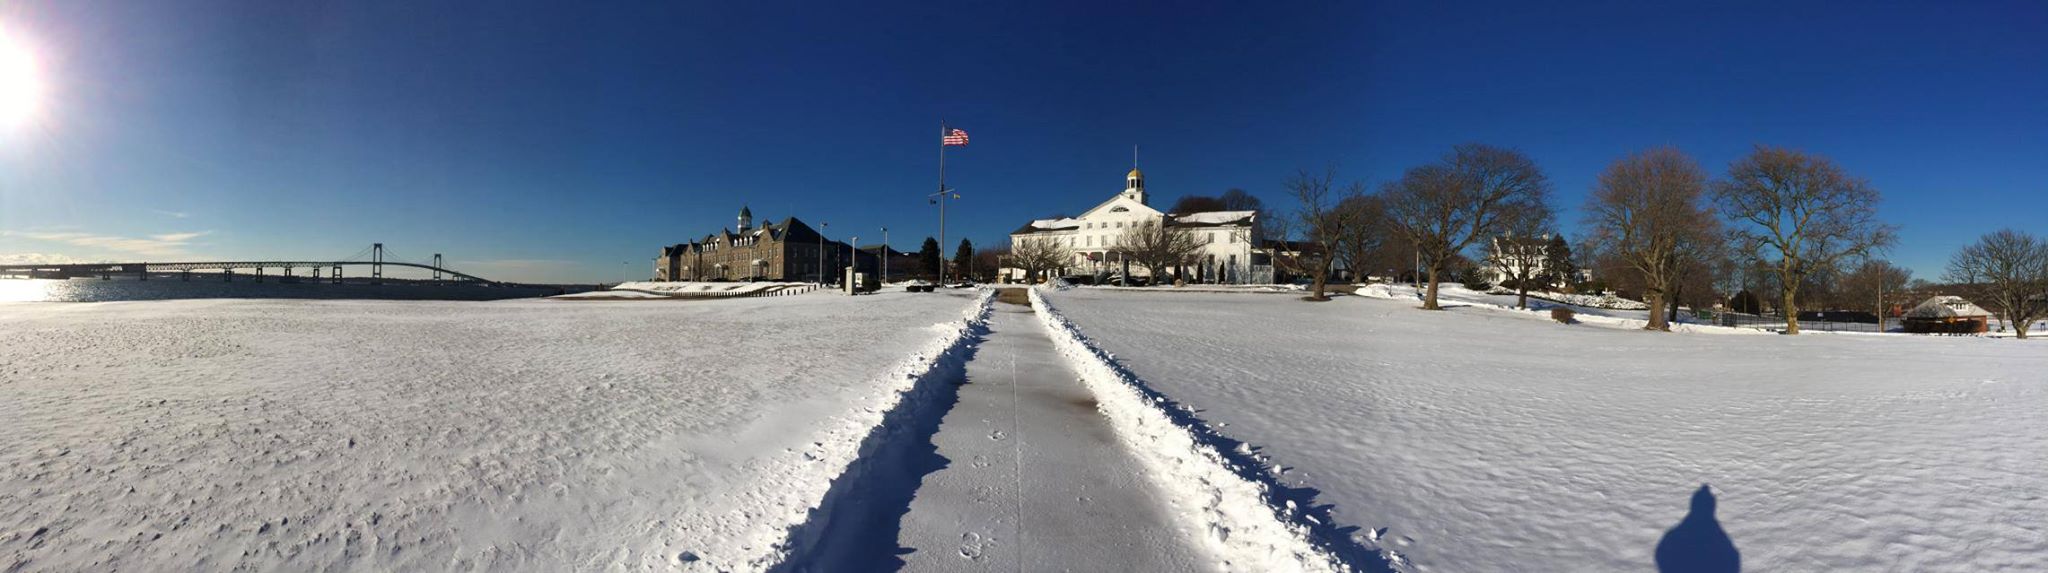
{"x": 821, "y": 252}
{"x": 885, "y": 256}
{"x": 853, "y": 260}
{"x": 939, "y": 199}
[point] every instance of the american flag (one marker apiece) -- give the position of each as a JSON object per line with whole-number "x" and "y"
{"x": 954, "y": 136}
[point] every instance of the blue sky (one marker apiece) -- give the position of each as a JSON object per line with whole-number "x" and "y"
{"x": 554, "y": 141}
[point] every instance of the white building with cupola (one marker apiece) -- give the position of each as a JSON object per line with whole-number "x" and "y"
{"x": 1227, "y": 254}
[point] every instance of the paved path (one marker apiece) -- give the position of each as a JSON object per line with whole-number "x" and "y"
{"x": 1035, "y": 479}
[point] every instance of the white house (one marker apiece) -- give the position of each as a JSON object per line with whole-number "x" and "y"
{"x": 1226, "y": 238}
{"x": 1506, "y": 254}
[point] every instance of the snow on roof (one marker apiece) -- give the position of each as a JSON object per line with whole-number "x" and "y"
{"x": 1214, "y": 217}
{"x": 1037, "y": 225}
{"x": 1947, "y": 306}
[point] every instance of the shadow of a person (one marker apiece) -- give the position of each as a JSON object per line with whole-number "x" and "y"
{"x": 1697, "y": 544}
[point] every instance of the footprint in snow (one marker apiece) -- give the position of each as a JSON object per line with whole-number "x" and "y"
{"x": 973, "y": 546}
{"x": 996, "y": 435}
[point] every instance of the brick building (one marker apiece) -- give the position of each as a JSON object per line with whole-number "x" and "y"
{"x": 784, "y": 251}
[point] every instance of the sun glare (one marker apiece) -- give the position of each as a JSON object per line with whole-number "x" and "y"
{"x": 20, "y": 86}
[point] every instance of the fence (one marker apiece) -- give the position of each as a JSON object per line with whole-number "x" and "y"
{"x": 1818, "y": 322}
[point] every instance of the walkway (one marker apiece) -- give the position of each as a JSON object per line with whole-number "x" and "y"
{"x": 1035, "y": 479}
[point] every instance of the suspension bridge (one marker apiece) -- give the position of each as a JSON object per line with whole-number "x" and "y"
{"x": 375, "y": 257}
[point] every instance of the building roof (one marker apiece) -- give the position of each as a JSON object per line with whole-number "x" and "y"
{"x": 1048, "y": 225}
{"x": 1211, "y": 218}
{"x": 1947, "y": 306}
{"x": 1204, "y": 219}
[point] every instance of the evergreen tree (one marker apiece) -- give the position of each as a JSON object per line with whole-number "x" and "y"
{"x": 1557, "y": 262}
{"x": 928, "y": 257}
{"x": 963, "y": 258}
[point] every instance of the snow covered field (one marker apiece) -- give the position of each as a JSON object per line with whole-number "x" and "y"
{"x": 1490, "y": 441}
{"x": 384, "y": 435}
{"x": 685, "y": 289}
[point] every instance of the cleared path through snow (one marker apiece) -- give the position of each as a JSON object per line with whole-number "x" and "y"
{"x": 1036, "y": 479}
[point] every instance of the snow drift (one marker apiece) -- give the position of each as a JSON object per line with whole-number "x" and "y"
{"x": 1247, "y": 529}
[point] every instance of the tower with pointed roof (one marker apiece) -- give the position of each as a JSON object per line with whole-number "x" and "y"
{"x": 746, "y": 219}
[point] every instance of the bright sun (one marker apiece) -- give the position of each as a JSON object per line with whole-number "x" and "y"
{"x": 20, "y": 86}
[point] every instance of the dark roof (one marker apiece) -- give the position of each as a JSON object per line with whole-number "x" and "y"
{"x": 878, "y": 248}
{"x": 790, "y": 229}
{"x": 1032, "y": 226}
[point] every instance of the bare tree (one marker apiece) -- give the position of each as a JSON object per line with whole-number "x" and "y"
{"x": 1320, "y": 224}
{"x": 1519, "y": 251}
{"x": 2009, "y": 270}
{"x": 1236, "y": 199}
{"x": 1037, "y": 256}
{"x": 1443, "y": 207}
{"x": 1157, "y": 246}
{"x": 1869, "y": 284}
{"x": 1799, "y": 213}
{"x": 1364, "y": 240}
{"x": 1647, "y": 213}
{"x": 989, "y": 261}
{"x": 1196, "y": 204}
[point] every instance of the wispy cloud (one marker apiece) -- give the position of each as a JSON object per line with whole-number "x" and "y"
{"x": 179, "y": 237}
{"x": 171, "y": 214}
{"x": 164, "y": 245}
{"x": 37, "y": 259}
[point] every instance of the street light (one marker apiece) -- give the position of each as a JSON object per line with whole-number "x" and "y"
{"x": 939, "y": 199}
{"x": 853, "y": 260}
{"x": 885, "y": 256}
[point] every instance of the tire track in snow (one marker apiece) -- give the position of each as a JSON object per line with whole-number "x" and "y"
{"x": 1254, "y": 522}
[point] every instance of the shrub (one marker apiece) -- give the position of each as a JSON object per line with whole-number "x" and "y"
{"x": 1562, "y": 314}
{"x": 1475, "y": 279}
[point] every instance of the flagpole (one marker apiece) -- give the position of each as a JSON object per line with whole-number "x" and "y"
{"x": 942, "y": 201}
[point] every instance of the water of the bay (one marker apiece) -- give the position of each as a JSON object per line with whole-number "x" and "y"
{"x": 99, "y": 290}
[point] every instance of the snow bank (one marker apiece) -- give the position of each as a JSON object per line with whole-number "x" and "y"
{"x": 1452, "y": 296}
{"x": 1261, "y": 289}
{"x": 712, "y": 289}
{"x": 1246, "y": 532}
{"x": 792, "y": 486}
{"x": 1485, "y": 441}
{"x": 614, "y": 294}
{"x": 1606, "y": 301}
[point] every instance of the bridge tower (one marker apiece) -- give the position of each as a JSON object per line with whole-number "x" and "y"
{"x": 437, "y": 266}
{"x": 377, "y": 263}
{"x": 337, "y": 273}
